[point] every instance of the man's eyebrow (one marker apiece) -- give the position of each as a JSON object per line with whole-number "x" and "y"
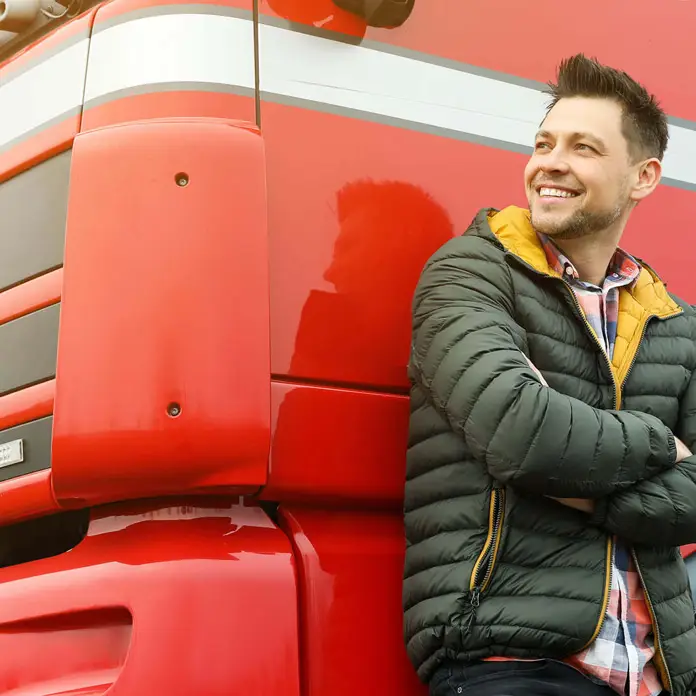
{"x": 578, "y": 135}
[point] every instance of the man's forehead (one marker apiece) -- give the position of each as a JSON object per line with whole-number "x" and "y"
{"x": 575, "y": 135}
{"x": 600, "y": 118}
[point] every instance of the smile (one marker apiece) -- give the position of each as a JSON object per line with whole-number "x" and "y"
{"x": 545, "y": 192}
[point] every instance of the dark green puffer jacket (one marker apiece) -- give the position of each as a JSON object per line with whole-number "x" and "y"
{"x": 494, "y": 566}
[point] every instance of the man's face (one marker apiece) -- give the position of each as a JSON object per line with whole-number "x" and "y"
{"x": 579, "y": 178}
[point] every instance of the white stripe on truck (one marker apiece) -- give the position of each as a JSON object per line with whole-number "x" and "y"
{"x": 209, "y": 51}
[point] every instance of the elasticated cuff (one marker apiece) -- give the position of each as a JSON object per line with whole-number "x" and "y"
{"x": 599, "y": 516}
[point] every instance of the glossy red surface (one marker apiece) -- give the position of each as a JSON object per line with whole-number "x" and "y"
{"x": 31, "y": 495}
{"x": 115, "y": 8}
{"x": 349, "y": 238}
{"x": 179, "y": 598}
{"x": 27, "y": 497}
{"x": 498, "y": 34}
{"x": 165, "y": 301}
{"x": 315, "y": 13}
{"x": 27, "y": 404}
{"x": 156, "y": 105}
{"x": 39, "y": 147}
{"x": 31, "y": 295}
{"x": 349, "y": 573}
{"x": 337, "y": 446}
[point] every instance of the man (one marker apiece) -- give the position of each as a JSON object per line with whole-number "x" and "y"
{"x": 550, "y": 479}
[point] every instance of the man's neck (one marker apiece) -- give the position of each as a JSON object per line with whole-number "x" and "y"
{"x": 590, "y": 255}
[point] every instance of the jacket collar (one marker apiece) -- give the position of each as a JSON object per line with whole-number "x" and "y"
{"x": 513, "y": 229}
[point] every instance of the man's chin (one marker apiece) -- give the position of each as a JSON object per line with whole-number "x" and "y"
{"x": 548, "y": 224}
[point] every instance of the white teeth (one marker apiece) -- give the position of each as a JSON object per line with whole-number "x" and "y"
{"x": 556, "y": 192}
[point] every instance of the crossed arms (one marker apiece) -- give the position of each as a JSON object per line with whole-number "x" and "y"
{"x": 468, "y": 357}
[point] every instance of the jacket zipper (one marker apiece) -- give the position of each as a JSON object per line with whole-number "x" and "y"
{"x": 662, "y": 666}
{"x": 609, "y": 561}
{"x": 609, "y": 571}
{"x": 583, "y": 318}
{"x": 658, "y": 638}
{"x": 483, "y": 568}
{"x": 617, "y": 405}
{"x": 609, "y": 565}
{"x": 642, "y": 336}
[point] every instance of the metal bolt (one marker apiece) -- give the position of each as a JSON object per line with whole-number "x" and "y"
{"x": 173, "y": 410}
{"x": 182, "y": 179}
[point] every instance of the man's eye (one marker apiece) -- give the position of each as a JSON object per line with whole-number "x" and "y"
{"x": 585, "y": 147}
{"x": 541, "y": 146}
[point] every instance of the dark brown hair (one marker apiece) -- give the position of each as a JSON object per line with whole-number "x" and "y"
{"x": 644, "y": 122}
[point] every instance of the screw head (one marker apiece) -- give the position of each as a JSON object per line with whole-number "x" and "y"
{"x": 173, "y": 410}
{"x": 182, "y": 179}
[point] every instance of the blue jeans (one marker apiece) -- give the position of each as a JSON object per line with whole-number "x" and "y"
{"x": 534, "y": 678}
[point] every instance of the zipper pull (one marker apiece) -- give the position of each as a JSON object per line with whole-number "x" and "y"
{"x": 474, "y": 602}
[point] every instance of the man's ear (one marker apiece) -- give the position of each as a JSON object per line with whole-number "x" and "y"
{"x": 648, "y": 175}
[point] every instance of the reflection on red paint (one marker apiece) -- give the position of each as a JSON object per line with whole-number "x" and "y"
{"x": 387, "y": 232}
{"x": 318, "y": 13}
{"x": 337, "y": 446}
{"x": 210, "y": 586}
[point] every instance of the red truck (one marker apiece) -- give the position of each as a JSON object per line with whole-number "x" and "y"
{"x": 212, "y": 218}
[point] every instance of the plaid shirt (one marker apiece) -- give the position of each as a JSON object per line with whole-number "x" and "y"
{"x": 621, "y": 656}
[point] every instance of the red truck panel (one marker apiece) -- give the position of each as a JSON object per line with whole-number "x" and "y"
{"x": 31, "y": 295}
{"x": 337, "y": 446}
{"x": 163, "y": 380}
{"x": 349, "y": 573}
{"x": 174, "y": 599}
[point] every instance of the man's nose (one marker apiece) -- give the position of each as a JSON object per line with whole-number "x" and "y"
{"x": 554, "y": 161}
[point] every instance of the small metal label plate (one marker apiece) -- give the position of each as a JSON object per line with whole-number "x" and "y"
{"x": 11, "y": 453}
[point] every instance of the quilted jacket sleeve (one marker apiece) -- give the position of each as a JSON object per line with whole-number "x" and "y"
{"x": 468, "y": 356}
{"x": 660, "y": 511}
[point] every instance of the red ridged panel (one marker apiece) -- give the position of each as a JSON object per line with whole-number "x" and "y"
{"x": 31, "y": 296}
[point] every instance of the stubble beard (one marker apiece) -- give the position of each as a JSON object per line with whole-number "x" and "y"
{"x": 582, "y": 223}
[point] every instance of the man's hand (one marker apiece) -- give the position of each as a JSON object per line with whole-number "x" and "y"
{"x": 582, "y": 504}
{"x": 683, "y": 452}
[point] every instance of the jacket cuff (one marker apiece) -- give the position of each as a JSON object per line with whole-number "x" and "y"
{"x": 672, "y": 447}
{"x": 599, "y": 517}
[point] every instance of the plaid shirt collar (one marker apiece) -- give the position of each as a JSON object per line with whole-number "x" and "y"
{"x": 623, "y": 269}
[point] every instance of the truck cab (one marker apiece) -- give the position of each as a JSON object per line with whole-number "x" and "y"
{"x": 212, "y": 219}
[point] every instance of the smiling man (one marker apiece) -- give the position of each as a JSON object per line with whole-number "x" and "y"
{"x": 550, "y": 478}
